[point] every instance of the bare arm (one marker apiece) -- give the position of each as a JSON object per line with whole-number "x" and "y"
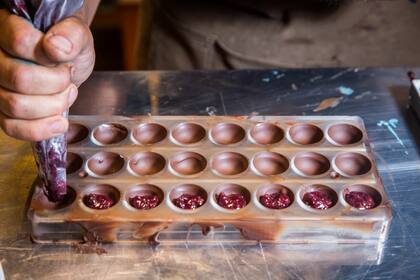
{"x": 87, "y": 12}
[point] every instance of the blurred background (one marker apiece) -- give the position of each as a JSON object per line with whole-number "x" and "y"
{"x": 349, "y": 33}
{"x": 118, "y": 28}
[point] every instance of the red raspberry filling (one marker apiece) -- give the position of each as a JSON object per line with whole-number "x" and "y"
{"x": 98, "y": 201}
{"x": 145, "y": 201}
{"x": 360, "y": 200}
{"x": 189, "y": 201}
{"x": 276, "y": 200}
{"x": 231, "y": 201}
{"x": 318, "y": 199}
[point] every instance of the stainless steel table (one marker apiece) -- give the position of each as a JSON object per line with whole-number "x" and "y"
{"x": 378, "y": 95}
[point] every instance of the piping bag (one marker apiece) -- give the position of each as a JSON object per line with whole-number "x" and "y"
{"x": 50, "y": 154}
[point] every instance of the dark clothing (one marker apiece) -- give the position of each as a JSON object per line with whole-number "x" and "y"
{"x": 234, "y": 34}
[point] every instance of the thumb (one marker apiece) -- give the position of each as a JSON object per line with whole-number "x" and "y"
{"x": 65, "y": 40}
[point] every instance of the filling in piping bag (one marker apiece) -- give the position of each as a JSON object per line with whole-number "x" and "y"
{"x": 50, "y": 154}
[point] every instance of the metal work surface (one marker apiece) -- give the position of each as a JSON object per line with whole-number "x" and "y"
{"x": 379, "y": 96}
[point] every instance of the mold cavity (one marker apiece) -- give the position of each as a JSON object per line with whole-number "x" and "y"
{"x": 100, "y": 196}
{"x": 110, "y": 133}
{"x": 305, "y": 134}
{"x": 362, "y": 197}
{"x": 188, "y": 196}
{"x": 352, "y": 164}
{"x": 311, "y": 163}
{"x": 73, "y": 163}
{"x": 266, "y": 133}
{"x": 105, "y": 163}
{"x": 188, "y": 163}
{"x": 269, "y": 163}
{"x": 318, "y": 197}
{"x": 76, "y": 133}
{"x": 229, "y": 163}
{"x": 227, "y": 133}
{"x": 344, "y": 134}
{"x": 144, "y": 197}
{"x": 188, "y": 133}
{"x": 275, "y": 196}
{"x": 41, "y": 202}
{"x": 232, "y": 196}
{"x": 149, "y": 133}
{"x": 147, "y": 163}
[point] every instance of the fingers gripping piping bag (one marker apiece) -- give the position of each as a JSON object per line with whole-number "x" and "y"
{"x": 50, "y": 154}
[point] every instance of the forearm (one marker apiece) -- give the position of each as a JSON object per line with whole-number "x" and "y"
{"x": 87, "y": 12}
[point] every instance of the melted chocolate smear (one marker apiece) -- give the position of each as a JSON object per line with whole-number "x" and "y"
{"x": 88, "y": 248}
{"x": 360, "y": 200}
{"x": 144, "y": 202}
{"x": 231, "y": 201}
{"x": 98, "y": 201}
{"x": 189, "y": 201}
{"x": 318, "y": 199}
{"x": 276, "y": 200}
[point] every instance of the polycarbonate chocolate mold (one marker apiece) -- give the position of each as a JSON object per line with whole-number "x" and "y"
{"x": 231, "y": 197}
{"x": 100, "y": 196}
{"x": 361, "y": 197}
{"x": 187, "y": 197}
{"x": 169, "y": 189}
{"x": 149, "y": 133}
{"x": 76, "y": 133}
{"x": 144, "y": 197}
{"x": 188, "y": 163}
{"x": 109, "y": 133}
{"x": 305, "y": 134}
{"x": 73, "y": 163}
{"x": 270, "y": 164}
{"x": 352, "y": 164}
{"x": 229, "y": 163}
{"x": 227, "y": 134}
{"x": 266, "y": 134}
{"x": 344, "y": 134}
{"x": 318, "y": 197}
{"x": 310, "y": 164}
{"x": 146, "y": 163}
{"x": 274, "y": 196}
{"x": 188, "y": 133}
{"x": 105, "y": 163}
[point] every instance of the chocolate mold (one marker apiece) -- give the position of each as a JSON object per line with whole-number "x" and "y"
{"x": 305, "y": 134}
{"x": 73, "y": 163}
{"x": 317, "y": 197}
{"x": 187, "y": 163}
{"x": 187, "y": 197}
{"x": 343, "y": 134}
{"x": 269, "y": 163}
{"x": 105, "y": 163}
{"x": 159, "y": 219}
{"x": 149, "y": 133}
{"x": 229, "y": 164}
{"x": 188, "y": 133}
{"x": 361, "y": 197}
{"x": 266, "y": 134}
{"x": 144, "y": 197}
{"x": 274, "y": 197}
{"x": 109, "y": 133}
{"x": 76, "y": 133}
{"x": 227, "y": 134}
{"x": 230, "y": 197}
{"x": 310, "y": 164}
{"x": 146, "y": 163}
{"x": 351, "y": 164}
{"x": 99, "y": 196}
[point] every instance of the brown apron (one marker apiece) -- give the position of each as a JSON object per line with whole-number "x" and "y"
{"x": 238, "y": 34}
